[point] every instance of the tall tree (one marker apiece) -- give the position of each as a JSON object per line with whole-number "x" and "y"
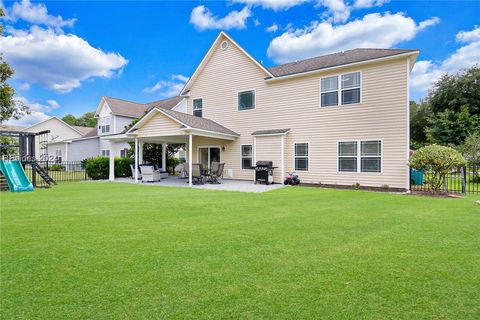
{"x": 419, "y": 113}
{"x": 85, "y": 120}
{"x": 455, "y": 105}
{"x": 10, "y": 108}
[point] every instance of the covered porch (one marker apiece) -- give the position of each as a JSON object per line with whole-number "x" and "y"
{"x": 203, "y": 138}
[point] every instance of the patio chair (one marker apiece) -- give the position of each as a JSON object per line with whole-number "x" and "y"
{"x": 132, "y": 168}
{"x": 149, "y": 174}
{"x": 215, "y": 175}
{"x": 197, "y": 176}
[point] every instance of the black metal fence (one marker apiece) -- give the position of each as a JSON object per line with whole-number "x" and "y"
{"x": 58, "y": 171}
{"x": 463, "y": 180}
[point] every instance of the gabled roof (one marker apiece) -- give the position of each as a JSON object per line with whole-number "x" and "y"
{"x": 74, "y": 128}
{"x": 84, "y": 130}
{"x": 137, "y": 110}
{"x": 210, "y": 52}
{"x": 334, "y": 59}
{"x": 187, "y": 121}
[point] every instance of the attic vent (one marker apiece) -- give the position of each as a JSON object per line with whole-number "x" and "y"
{"x": 224, "y": 45}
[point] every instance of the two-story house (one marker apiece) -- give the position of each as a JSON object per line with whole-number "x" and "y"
{"x": 338, "y": 119}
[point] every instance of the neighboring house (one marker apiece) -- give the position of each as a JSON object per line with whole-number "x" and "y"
{"x": 337, "y": 119}
{"x": 59, "y": 131}
{"x": 113, "y": 117}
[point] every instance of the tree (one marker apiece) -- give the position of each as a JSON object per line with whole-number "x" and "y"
{"x": 86, "y": 120}
{"x": 437, "y": 162}
{"x": 471, "y": 152}
{"x": 419, "y": 114}
{"x": 454, "y": 102}
{"x": 10, "y": 108}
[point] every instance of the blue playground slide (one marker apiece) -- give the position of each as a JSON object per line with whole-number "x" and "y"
{"x": 16, "y": 178}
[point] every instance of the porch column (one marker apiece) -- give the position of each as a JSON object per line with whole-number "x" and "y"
{"x": 140, "y": 152}
{"x": 136, "y": 160}
{"x": 164, "y": 156}
{"x": 66, "y": 151}
{"x": 190, "y": 147}
{"x": 111, "y": 172}
{"x": 282, "y": 161}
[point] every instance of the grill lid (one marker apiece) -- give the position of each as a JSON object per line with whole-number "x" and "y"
{"x": 264, "y": 163}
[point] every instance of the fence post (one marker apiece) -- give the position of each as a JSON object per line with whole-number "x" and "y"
{"x": 464, "y": 179}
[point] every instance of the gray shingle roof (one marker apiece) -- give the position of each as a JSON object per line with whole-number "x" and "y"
{"x": 199, "y": 123}
{"x": 270, "y": 131}
{"x": 84, "y": 130}
{"x": 137, "y": 110}
{"x": 334, "y": 59}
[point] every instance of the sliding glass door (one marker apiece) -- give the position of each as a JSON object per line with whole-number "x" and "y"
{"x": 207, "y": 155}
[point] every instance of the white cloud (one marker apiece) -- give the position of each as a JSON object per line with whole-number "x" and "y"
{"x": 36, "y": 14}
{"x": 57, "y": 61}
{"x": 25, "y": 86}
{"x": 168, "y": 88}
{"x": 339, "y": 11}
{"x": 49, "y": 106}
{"x": 273, "y": 28}
{"x": 373, "y": 30}
{"x": 426, "y": 72}
{"x": 37, "y": 114}
{"x": 203, "y": 19}
{"x": 275, "y": 5}
{"x": 256, "y": 22}
{"x": 360, "y": 4}
{"x": 428, "y": 23}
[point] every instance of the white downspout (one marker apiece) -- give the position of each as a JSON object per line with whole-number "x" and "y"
{"x": 254, "y": 155}
{"x": 190, "y": 147}
{"x": 136, "y": 160}
{"x": 282, "y": 161}
{"x": 66, "y": 151}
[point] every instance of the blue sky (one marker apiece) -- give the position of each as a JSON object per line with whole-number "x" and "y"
{"x": 68, "y": 54}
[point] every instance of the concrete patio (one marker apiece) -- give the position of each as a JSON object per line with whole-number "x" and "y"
{"x": 225, "y": 184}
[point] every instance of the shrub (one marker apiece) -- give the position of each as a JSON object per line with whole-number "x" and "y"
{"x": 56, "y": 167}
{"x": 98, "y": 168}
{"x": 438, "y": 161}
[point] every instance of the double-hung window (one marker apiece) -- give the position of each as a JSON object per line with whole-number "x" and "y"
{"x": 301, "y": 156}
{"x": 246, "y": 100}
{"x": 198, "y": 107}
{"x": 124, "y": 153}
{"x": 247, "y": 156}
{"x": 360, "y": 156}
{"x": 58, "y": 155}
{"x": 351, "y": 88}
{"x": 340, "y": 90}
{"x": 105, "y": 153}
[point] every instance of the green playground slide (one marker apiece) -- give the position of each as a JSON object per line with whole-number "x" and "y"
{"x": 16, "y": 178}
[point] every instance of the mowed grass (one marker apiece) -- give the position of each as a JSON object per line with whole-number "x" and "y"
{"x": 116, "y": 251}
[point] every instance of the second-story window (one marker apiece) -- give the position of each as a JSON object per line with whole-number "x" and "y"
{"x": 246, "y": 100}
{"x": 340, "y": 90}
{"x": 198, "y": 107}
{"x": 351, "y": 88}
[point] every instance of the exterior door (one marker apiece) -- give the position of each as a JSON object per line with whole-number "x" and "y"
{"x": 207, "y": 155}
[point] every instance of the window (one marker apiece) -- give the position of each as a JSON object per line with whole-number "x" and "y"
{"x": 301, "y": 156}
{"x": 351, "y": 88}
{"x": 246, "y": 100}
{"x": 106, "y": 128}
{"x": 198, "y": 107}
{"x": 371, "y": 156}
{"x": 340, "y": 90}
{"x": 329, "y": 89}
{"x": 369, "y": 159}
{"x": 124, "y": 153}
{"x": 247, "y": 156}
{"x": 58, "y": 155}
{"x": 105, "y": 153}
{"x": 347, "y": 156}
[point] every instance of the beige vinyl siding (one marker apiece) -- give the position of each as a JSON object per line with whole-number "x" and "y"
{"x": 295, "y": 103}
{"x": 268, "y": 149}
{"x": 159, "y": 125}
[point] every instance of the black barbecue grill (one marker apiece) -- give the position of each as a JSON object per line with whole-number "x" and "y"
{"x": 264, "y": 172}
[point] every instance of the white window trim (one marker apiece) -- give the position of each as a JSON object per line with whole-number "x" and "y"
{"x": 199, "y": 98}
{"x": 242, "y": 157}
{"x": 254, "y": 100}
{"x": 198, "y": 153}
{"x": 359, "y": 156}
{"x": 339, "y": 97}
{"x": 308, "y": 157}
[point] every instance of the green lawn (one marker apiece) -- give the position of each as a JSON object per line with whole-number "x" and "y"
{"x": 94, "y": 250}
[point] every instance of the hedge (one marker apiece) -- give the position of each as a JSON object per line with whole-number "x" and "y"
{"x": 97, "y": 168}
